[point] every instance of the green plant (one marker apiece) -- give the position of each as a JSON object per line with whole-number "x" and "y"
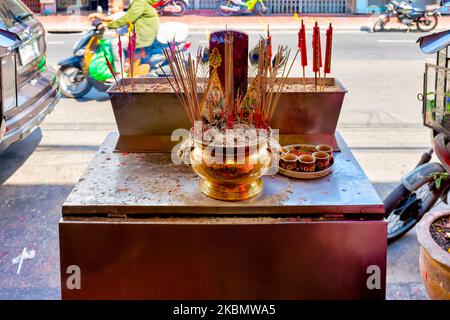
{"x": 438, "y": 178}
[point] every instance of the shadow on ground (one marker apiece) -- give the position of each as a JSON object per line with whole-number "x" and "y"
{"x": 92, "y": 95}
{"x": 29, "y": 216}
{"x": 16, "y": 154}
{"x": 29, "y": 219}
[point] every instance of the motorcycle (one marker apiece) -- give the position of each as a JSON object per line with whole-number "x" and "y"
{"x": 174, "y": 7}
{"x": 229, "y": 7}
{"x": 425, "y": 19}
{"x": 429, "y": 183}
{"x": 88, "y": 68}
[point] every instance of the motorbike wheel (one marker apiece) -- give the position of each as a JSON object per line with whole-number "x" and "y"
{"x": 380, "y": 23}
{"x": 262, "y": 10}
{"x": 426, "y": 24}
{"x": 73, "y": 83}
{"x": 182, "y": 5}
{"x": 221, "y": 12}
{"x": 401, "y": 221}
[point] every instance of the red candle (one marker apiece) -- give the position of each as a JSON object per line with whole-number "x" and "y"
{"x": 327, "y": 68}
{"x": 302, "y": 45}
{"x": 317, "y": 50}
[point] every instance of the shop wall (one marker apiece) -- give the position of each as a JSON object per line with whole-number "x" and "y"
{"x": 34, "y": 5}
{"x": 293, "y": 6}
{"x": 64, "y": 4}
{"x": 417, "y": 3}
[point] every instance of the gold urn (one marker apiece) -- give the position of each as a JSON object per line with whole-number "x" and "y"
{"x": 233, "y": 173}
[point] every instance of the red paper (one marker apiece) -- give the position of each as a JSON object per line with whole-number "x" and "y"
{"x": 317, "y": 50}
{"x": 302, "y": 45}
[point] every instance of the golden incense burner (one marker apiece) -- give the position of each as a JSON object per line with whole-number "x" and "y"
{"x": 232, "y": 173}
{"x": 234, "y": 113}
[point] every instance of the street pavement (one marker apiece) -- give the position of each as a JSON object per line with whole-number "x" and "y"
{"x": 380, "y": 120}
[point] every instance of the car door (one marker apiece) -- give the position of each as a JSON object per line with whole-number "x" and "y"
{"x": 8, "y": 90}
{"x": 32, "y": 80}
{"x": 30, "y": 56}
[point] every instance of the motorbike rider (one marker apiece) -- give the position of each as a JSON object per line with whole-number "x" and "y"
{"x": 146, "y": 22}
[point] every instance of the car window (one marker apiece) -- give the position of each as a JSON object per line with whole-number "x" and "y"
{"x": 17, "y": 8}
{"x": 6, "y": 18}
{"x": 2, "y": 23}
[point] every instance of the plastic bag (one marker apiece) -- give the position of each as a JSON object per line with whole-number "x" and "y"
{"x": 98, "y": 69}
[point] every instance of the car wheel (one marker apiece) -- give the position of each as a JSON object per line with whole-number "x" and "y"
{"x": 73, "y": 83}
{"x": 220, "y": 11}
{"x": 427, "y": 24}
{"x": 405, "y": 208}
{"x": 182, "y": 5}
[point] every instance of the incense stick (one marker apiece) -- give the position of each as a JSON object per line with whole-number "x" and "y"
{"x": 121, "y": 62}
{"x": 111, "y": 70}
{"x": 304, "y": 79}
{"x": 277, "y": 98}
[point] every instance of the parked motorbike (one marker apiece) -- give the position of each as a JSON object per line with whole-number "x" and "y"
{"x": 88, "y": 68}
{"x": 425, "y": 19}
{"x": 230, "y": 7}
{"x": 173, "y": 7}
{"x": 429, "y": 183}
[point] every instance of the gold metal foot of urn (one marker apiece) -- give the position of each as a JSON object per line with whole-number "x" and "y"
{"x": 229, "y": 192}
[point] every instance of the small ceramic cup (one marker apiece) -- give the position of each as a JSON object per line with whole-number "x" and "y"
{"x": 307, "y": 163}
{"x": 289, "y": 162}
{"x": 284, "y": 151}
{"x": 325, "y": 148}
{"x": 322, "y": 159}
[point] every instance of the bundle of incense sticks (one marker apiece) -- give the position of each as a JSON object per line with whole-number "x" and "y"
{"x": 269, "y": 86}
{"x": 184, "y": 82}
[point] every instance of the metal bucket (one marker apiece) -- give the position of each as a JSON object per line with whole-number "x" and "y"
{"x": 146, "y": 120}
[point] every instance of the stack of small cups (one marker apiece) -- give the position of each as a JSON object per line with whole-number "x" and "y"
{"x": 317, "y": 161}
